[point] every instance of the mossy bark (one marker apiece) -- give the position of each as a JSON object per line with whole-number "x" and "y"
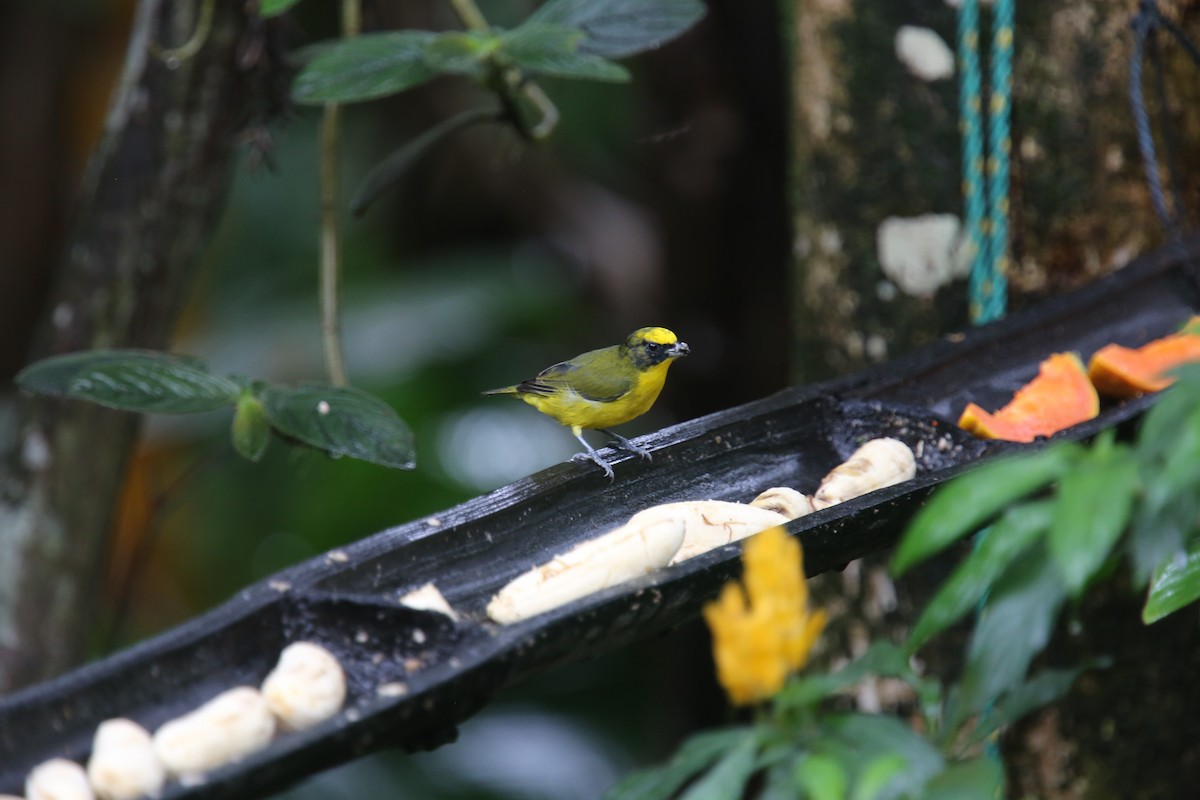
{"x": 148, "y": 203}
{"x": 871, "y": 140}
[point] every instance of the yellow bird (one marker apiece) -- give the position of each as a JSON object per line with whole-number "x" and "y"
{"x": 602, "y": 388}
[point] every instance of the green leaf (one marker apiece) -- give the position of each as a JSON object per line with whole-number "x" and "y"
{"x": 1175, "y": 585}
{"x": 979, "y": 779}
{"x": 273, "y": 8}
{"x": 343, "y": 422}
{"x": 1041, "y": 690}
{"x": 131, "y": 380}
{"x": 554, "y": 50}
{"x": 728, "y": 776}
{"x": 1169, "y": 451}
{"x": 251, "y": 431}
{"x": 821, "y": 778}
{"x": 1016, "y": 624}
{"x": 995, "y": 549}
{"x": 365, "y": 67}
{"x": 461, "y": 52}
{"x": 694, "y": 756}
{"x": 619, "y": 28}
{"x": 1093, "y": 505}
{"x": 878, "y": 776}
{"x": 882, "y": 659}
{"x": 859, "y": 740}
{"x": 967, "y": 502}
{"x": 1170, "y": 411}
{"x": 1159, "y": 535}
{"x": 392, "y": 169}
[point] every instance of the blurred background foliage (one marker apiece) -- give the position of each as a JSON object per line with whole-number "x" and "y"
{"x": 663, "y": 201}
{"x": 656, "y": 202}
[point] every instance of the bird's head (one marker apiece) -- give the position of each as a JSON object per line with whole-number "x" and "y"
{"x": 650, "y": 346}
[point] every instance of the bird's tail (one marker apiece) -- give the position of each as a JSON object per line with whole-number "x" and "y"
{"x": 502, "y": 390}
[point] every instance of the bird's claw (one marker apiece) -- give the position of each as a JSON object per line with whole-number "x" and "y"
{"x": 630, "y": 447}
{"x": 595, "y": 459}
{"x": 621, "y": 443}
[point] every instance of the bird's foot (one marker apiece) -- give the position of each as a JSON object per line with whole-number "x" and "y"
{"x": 623, "y": 443}
{"x": 598, "y": 461}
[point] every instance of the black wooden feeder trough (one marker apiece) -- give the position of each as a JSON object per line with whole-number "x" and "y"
{"x": 348, "y": 601}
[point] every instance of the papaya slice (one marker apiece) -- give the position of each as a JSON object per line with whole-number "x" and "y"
{"x": 1125, "y": 372}
{"x": 1060, "y": 396}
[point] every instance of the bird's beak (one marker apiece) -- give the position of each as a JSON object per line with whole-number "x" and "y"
{"x": 679, "y": 349}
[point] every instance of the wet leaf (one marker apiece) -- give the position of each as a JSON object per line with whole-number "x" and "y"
{"x": 860, "y": 741}
{"x": 131, "y": 380}
{"x": 618, "y": 28}
{"x": 980, "y": 779}
{"x": 554, "y": 50}
{"x": 461, "y": 52}
{"x": 1011, "y": 535}
{"x": 1015, "y": 625}
{"x": 882, "y": 659}
{"x": 728, "y": 776}
{"x": 1176, "y": 585}
{"x": 365, "y": 67}
{"x": 343, "y": 422}
{"x": 967, "y": 502}
{"x": 695, "y": 755}
{"x": 821, "y": 778}
{"x": 1092, "y": 508}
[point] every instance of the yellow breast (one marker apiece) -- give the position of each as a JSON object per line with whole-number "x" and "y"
{"x": 571, "y": 409}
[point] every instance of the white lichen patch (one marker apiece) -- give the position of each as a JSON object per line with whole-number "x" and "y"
{"x": 921, "y": 254}
{"x": 924, "y": 53}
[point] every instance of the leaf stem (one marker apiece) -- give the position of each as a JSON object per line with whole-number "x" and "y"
{"x": 513, "y": 81}
{"x": 331, "y": 250}
{"x": 331, "y": 231}
{"x": 470, "y": 15}
{"x": 185, "y": 51}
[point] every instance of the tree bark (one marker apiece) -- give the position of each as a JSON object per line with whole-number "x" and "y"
{"x": 148, "y": 202}
{"x": 871, "y": 140}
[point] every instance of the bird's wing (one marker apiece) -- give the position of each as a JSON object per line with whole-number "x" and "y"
{"x": 588, "y": 376}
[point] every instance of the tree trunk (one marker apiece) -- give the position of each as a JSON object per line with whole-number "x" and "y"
{"x": 149, "y": 200}
{"x": 871, "y": 140}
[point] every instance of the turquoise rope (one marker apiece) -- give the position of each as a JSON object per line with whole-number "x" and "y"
{"x": 999, "y": 149}
{"x": 989, "y": 253}
{"x": 972, "y": 153}
{"x": 987, "y": 240}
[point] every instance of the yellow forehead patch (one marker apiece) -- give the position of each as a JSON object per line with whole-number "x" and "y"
{"x": 656, "y": 335}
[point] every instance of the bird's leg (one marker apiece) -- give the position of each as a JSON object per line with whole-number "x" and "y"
{"x": 591, "y": 453}
{"x": 625, "y": 444}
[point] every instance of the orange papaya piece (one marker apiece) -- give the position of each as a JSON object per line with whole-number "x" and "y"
{"x": 1060, "y": 396}
{"x": 1127, "y": 372}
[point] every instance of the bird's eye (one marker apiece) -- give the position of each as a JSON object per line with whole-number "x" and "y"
{"x": 653, "y": 347}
